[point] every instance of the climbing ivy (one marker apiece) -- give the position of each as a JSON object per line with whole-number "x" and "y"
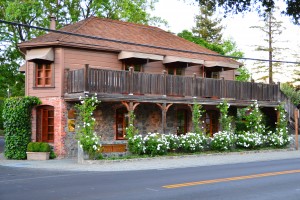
{"x": 17, "y": 125}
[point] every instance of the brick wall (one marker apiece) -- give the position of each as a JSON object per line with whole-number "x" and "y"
{"x": 60, "y": 123}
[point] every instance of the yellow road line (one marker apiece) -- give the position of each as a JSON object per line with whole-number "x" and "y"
{"x": 236, "y": 178}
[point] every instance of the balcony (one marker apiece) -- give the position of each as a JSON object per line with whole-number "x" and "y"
{"x": 144, "y": 87}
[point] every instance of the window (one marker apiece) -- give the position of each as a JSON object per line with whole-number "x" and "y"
{"x": 175, "y": 71}
{"x": 137, "y": 67}
{"x": 45, "y": 124}
{"x": 71, "y": 120}
{"x": 121, "y": 123}
{"x": 43, "y": 75}
{"x": 215, "y": 75}
{"x": 211, "y": 122}
{"x": 181, "y": 122}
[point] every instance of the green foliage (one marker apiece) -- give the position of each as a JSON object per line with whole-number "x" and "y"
{"x": 131, "y": 130}
{"x": 226, "y": 47}
{"x": 207, "y": 26}
{"x": 244, "y": 75}
{"x": 291, "y": 92}
{"x": 17, "y": 124}
{"x": 291, "y": 8}
{"x": 38, "y": 147}
{"x": 89, "y": 140}
{"x": 225, "y": 120}
{"x": 254, "y": 119}
{"x": 1, "y": 109}
{"x": 196, "y": 118}
{"x": 200, "y": 41}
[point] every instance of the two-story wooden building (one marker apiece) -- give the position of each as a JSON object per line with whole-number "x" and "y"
{"x": 131, "y": 67}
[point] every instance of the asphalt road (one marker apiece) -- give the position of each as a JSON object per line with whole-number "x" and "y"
{"x": 236, "y": 181}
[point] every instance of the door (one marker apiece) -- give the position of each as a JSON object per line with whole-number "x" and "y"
{"x": 211, "y": 122}
{"x": 181, "y": 122}
{"x": 45, "y": 124}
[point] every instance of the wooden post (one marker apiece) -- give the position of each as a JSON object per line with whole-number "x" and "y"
{"x": 296, "y": 115}
{"x": 279, "y": 92}
{"x": 194, "y": 85}
{"x": 86, "y": 79}
{"x": 164, "y": 83}
{"x": 131, "y": 80}
{"x": 67, "y": 80}
{"x": 164, "y": 117}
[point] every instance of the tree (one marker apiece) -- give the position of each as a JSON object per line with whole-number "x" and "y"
{"x": 244, "y": 75}
{"x": 228, "y": 47}
{"x": 207, "y": 27}
{"x": 238, "y": 6}
{"x": 272, "y": 28}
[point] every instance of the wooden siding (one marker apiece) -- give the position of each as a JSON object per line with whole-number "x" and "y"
{"x": 76, "y": 58}
{"x": 126, "y": 82}
{"x": 228, "y": 75}
{"x": 154, "y": 67}
{"x": 54, "y": 91}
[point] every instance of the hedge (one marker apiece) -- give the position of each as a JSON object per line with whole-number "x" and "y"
{"x": 17, "y": 125}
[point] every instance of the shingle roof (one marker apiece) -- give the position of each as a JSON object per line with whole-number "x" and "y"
{"x": 126, "y": 32}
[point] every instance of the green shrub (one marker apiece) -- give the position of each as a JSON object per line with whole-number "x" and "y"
{"x": 222, "y": 141}
{"x": 44, "y": 147}
{"x": 17, "y": 123}
{"x": 38, "y": 147}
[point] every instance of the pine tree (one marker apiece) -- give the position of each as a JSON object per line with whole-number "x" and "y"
{"x": 272, "y": 28}
{"x": 208, "y": 27}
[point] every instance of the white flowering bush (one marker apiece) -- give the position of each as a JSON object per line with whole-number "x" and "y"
{"x": 155, "y": 144}
{"x": 173, "y": 141}
{"x": 225, "y": 120}
{"x": 254, "y": 119}
{"x": 89, "y": 140}
{"x": 249, "y": 140}
{"x": 136, "y": 144}
{"x": 192, "y": 142}
{"x": 222, "y": 140}
{"x": 278, "y": 140}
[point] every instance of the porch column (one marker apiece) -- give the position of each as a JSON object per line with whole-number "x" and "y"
{"x": 164, "y": 108}
{"x": 86, "y": 78}
{"x": 130, "y": 106}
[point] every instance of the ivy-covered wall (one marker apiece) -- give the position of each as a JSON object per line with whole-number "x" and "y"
{"x": 17, "y": 125}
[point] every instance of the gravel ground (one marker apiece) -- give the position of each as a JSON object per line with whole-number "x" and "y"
{"x": 159, "y": 163}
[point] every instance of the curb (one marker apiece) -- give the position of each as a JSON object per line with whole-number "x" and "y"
{"x": 94, "y": 162}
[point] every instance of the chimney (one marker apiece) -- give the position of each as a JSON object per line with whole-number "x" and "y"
{"x": 52, "y": 22}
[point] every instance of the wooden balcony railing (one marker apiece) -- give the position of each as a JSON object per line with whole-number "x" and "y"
{"x": 137, "y": 83}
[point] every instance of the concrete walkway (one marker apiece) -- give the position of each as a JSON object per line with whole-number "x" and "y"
{"x": 159, "y": 163}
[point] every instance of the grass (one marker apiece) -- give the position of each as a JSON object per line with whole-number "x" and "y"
{"x": 1, "y": 132}
{"x": 206, "y": 152}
